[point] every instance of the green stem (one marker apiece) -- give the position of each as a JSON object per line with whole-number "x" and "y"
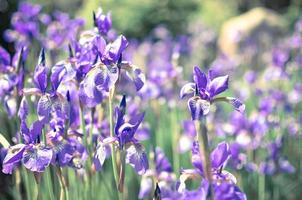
{"x": 202, "y": 136}
{"x": 83, "y": 126}
{"x": 49, "y": 185}
{"x": 175, "y": 138}
{"x": 64, "y": 190}
{"x": 28, "y": 192}
{"x": 261, "y": 187}
{"x": 113, "y": 153}
{"x": 122, "y": 171}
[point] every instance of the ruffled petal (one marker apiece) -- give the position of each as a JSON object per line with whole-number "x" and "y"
{"x": 37, "y": 158}
{"x": 137, "y": 158}
{"x": 100, "y": 156}
{"x": 198, "y": 107}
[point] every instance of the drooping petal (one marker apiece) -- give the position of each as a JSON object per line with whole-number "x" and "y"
{"x": 226, "y": 191}
{"x": 63, "y": 153}
{"x": 100, "y": 156}
{"x": 218, "y": 85}
{"x": 13, "y": 158}
{"x": 236, "y": 103}
{"x": 44, "y": 108}
{"x": 200, "y": 194}
{"x": 133, "y": 75}
{"x": 220, "y": 155}
{"x": 37, "y": 158}
{"x": 145, "y": 187}
{"x": 162, "y": 162}
{"x": 187, "y": 90}
{"x": 200, "y": 78}
{"x": 137, "y": 158}
{"x": 198, "y": 107}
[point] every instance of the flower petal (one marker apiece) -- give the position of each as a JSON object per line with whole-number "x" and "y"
{"x": 200, "y": 78}
{"x": 220, "y": 155}
{"x": 198, "y": 107}
{"x": 37, "y": 158}
{"x": 137, "y": 158}
{"x": 12, "y": 158}
{"x": 187, "y": 89}
{"x": 114, "y": 50}
{"x": 44, "y": 107}
{"x": 100, "y": 156}
{"x": 236, "y": 103}
{"x": 40, "y": 73}
{"x": 218, "y": 85}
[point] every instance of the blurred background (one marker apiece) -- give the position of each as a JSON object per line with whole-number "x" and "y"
{"x": 137, "y": 20}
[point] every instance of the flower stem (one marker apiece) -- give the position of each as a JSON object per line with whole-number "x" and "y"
{"x": 175, "y": 138}
{"x": 202, "y": 136}
{"x": 64, "y": 190}
{"x": 114, "y": 165}
{"x": 122, "y": 171}
{"x": 49, "y": 184}
{"x": 261, "y": 187}
{"x": 83, "y": 125}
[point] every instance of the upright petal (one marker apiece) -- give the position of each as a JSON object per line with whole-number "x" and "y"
{"x": 40, "y": 73}
{"x": 220, "y": 155}
{"x": 218, "y": 85}
{"x": 114, "y": 50}
{"x": 200, "y": 78}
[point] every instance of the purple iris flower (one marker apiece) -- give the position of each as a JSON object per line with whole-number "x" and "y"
{"x": 25, "y": 25}
{"x": 219, "y": 158}
{"x": 34, "y": 155}
{"x": 125, "y": 140}
{"x": 102, "y": 22}
{"x": 50, "y": 102}
{"x": 11, "y": 78}
{"x": 101, "y": 78}
{"x": 61, "y": 31}
{"x": 164, "y": 175}
{"x": 203, "y": 92}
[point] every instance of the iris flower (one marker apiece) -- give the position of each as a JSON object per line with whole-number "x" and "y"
{"x": 224, "y": 183}
{"x": 124, "y": 139}
{"x": 203, "y": 92}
